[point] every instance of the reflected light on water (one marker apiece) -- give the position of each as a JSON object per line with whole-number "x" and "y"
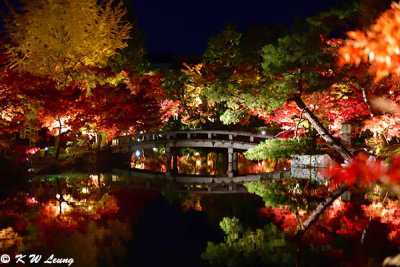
{"x": 204, "y": 163}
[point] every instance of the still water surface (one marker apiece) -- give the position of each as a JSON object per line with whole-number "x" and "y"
{"x": 108, "y": 220}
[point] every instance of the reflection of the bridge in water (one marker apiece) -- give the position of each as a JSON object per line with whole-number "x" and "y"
{"x": 193, "y": 184}
{"x": 157, "y": 182}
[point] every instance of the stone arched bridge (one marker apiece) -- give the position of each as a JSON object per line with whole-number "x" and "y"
{"x": 232, "y": 141}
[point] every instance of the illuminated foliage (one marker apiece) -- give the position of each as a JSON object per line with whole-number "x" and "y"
{"x": 362, "y": 170}
{"x": 13, "y": 109}
{"x": 57, "y": 38}
{"x": 380, "y": 45}
{"x": 132, "y": 106}
{"x": 280, "y": 149}
{"x": 385, "y": 125}
{"x": 366, "y": 171}
{"x": 116, "y": 103}
{"x": 186, "y": 99}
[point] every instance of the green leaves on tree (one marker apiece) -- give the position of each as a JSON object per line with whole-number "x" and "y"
{"x": 266, "y": 246}
{"x": 224, "y": 48}
{"x": 280, "y": 149}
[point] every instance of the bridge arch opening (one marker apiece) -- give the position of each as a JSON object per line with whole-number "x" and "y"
{"x": 201, "y": 162}
{"x": 215, "y": 153}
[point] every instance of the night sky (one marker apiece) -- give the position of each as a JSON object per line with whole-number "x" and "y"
{"x": 183, "y": 27}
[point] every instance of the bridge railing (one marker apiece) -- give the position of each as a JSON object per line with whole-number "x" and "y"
{"x": 191, "y": 135}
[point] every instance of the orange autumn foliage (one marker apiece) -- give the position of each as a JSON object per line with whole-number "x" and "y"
{"x": 380, "y": 45}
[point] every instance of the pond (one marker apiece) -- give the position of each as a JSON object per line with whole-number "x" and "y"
{"x": 103, "y": 219}
{"x": 107, "y": 220}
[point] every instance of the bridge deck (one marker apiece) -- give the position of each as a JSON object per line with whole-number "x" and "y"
{"x": 194, "y": 143}
{"x": 223, "y": 139}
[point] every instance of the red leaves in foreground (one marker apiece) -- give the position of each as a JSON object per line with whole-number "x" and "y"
{"x": 365, "y": 170}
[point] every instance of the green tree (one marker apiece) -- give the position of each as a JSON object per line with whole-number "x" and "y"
{"x": 257, "y": 36}
{"x": 266, "y": 247}
{"x": 223, "y": 48}
{"x": 280, "y": 149}
{"x": 133, "y": 57}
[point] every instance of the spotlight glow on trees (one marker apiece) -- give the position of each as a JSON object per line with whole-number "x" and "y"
{"x": 56, "y": 38}
{"x": 378, "y": 46}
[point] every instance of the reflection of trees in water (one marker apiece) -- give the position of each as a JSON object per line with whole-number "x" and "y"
{"x": 272, "y": 246}
{"x": 101, "y": 244}
{"x": 217, "y": 206}
{"x": 72, "y": 217}
{"x": 266, "y": 246}
{"x": 10, "y": 240}
{"x": 361, "y": 232}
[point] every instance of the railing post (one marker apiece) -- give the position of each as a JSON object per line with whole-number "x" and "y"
{"x": 235, "y": 163}
{"x": 174, "y": 170}
{"x": 230, "y": 162}
{"x": 230, "y": 137}
{"x": 168, "y": 163}
{"x": 251, "y": 138}
{"x": 115, "y": 142}
{"x": 187, "y": 135}
{"x": 345, "y": 133}
{"x": 209, "y": 135}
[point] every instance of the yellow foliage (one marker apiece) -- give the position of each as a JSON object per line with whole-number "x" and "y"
{"x": 57, "y": 37}
{"x": 9, "y": 239}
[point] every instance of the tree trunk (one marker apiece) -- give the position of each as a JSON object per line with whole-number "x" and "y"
{"x": 365, "y": 98}
{"x": 58, "y": 140}
{"x": 338, "y": 147}
{"x": 321, "y": 129}
{"x": 320, "y": 209}
{"x": 99, "y": 140}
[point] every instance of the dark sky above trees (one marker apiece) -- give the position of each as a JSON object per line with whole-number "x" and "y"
{"x": 183, "y": 26}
